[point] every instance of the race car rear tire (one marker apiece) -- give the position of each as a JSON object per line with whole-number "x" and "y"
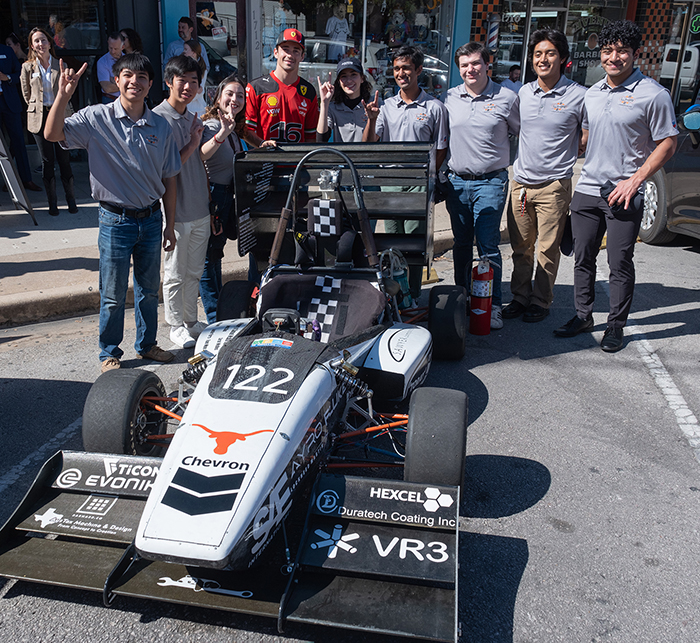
{"x": 114, "y": 418}
{"x": 447, "y": 321}
{"x": 235, "y": 300}
{"x": 436, "y": 442}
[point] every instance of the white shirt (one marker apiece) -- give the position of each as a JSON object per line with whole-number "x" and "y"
{"x": 46, "y": 82}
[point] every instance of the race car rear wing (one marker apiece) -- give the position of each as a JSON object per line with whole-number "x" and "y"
{"x": 398, "y": 182}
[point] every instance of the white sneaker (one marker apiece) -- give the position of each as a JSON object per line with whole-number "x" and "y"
{"x": 496, "y": 318}
{"x": 181, "y": 337}
{"x": 196, "y": 329}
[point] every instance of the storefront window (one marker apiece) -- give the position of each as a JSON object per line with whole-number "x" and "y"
{"x": 73, "y": 24}
{"x": 217, "y": 30}
{"x": 334, "y": 30}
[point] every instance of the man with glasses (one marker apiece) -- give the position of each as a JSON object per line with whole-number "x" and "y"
{"x": 632, "y": 133}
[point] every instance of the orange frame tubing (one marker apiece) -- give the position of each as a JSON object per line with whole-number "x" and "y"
{"x": 164, "y": 411}
{"x": 372, "y": 429}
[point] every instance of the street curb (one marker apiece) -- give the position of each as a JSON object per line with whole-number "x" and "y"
{"x": 67, "y": 301}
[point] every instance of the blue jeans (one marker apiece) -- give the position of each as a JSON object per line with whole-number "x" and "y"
{"x": 120, "y": 239}
{"x": 476, "y": 208}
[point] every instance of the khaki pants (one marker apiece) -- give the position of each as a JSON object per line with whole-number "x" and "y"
{"x": 542, "y": 221}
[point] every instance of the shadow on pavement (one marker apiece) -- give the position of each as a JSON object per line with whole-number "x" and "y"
{"x": 70, "y": 263}
{"x": 496, "y": 486}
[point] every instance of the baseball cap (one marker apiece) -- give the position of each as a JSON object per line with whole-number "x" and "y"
{"x": 291, "y": 35}
{"x": 349, "y": 63}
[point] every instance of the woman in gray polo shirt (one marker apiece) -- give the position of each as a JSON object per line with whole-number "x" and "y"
{"x": 342, "y": 113}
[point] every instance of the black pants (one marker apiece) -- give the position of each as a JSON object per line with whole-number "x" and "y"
{"x": 590, "y": 218}
{"x": 50, "y": 153}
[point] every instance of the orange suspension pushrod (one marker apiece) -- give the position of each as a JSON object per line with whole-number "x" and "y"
{"x": 371, "y": 429}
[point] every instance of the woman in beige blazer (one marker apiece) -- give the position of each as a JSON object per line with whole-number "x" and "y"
{"x": 39, "y": 86}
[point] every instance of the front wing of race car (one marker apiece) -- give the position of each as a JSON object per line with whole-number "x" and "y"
{"x": 374, "y": 554}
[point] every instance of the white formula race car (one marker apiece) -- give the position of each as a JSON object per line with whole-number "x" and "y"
{"x": 230, "y": 493}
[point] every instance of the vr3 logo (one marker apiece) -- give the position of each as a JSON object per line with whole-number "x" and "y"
{"x": 437, "y": 550}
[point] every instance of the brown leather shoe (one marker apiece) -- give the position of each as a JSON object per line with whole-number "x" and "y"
{"x": 157, "y": 354}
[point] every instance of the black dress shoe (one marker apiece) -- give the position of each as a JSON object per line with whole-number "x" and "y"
{"x": 30, "y": 185}
{"x": 53, "y": 210}
{"x": 574, "y": 326}
{"x": 72, "y": 206}
{"x": 513, "y": 309}
{"x": 535, "y": 313}
{"x": 612, "y": 340}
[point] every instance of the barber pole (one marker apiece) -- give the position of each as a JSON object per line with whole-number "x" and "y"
{"x": 493, "y": 21}
{"x": 480, "y": 302}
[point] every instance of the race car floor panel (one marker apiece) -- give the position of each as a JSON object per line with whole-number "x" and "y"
{"x": 257, "y": 592}
{"x": 59, "y": 561}
{"x": 375, "y": 606}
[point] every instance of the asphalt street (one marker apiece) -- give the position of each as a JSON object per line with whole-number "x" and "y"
{"x": 579, "y": 519}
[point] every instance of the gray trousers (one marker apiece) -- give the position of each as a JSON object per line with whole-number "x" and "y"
{"x": 590, "y": 218}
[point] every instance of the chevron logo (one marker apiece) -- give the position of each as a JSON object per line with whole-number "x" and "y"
{"x": 195, "y": 494}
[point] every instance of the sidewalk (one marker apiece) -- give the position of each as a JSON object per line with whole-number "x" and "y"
{"x": 51, "y": 271}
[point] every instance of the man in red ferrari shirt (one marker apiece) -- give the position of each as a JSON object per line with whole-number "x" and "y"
{"x": 282, "y": 106}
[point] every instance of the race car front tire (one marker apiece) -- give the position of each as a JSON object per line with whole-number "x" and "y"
{"x": 436, "y": 441}
{"x": 115, "y": 420}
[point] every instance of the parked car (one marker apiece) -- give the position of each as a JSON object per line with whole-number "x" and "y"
{"x": 690, "y": 68}
{"x": 672, "y": 196}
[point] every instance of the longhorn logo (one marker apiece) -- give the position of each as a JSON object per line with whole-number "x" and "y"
{"x": 224, "y": 439}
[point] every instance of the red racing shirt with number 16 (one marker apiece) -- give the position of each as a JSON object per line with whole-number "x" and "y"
{"x": 281, "y": 112}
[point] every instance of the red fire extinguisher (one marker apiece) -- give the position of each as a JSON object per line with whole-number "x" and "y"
{"x": 480, "y": 301}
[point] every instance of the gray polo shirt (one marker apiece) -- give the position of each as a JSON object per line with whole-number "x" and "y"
{"x": 550, "y": 128}
{"x": 623, "y": 122}
{"x": 479, "y": 128}
{"x": 220, "y": 164}
{"x": 192, "y": 191}
{"x": 346, "y": 124}
{"x": 127, "y": 159}
{"x": 423, "y": 120}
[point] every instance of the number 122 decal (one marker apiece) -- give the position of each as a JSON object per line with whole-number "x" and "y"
{"x": 259, "y": 374}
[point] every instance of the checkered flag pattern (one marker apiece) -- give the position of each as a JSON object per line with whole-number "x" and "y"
{"x": 325, "y": 215}
{"x": 323, "y": 307}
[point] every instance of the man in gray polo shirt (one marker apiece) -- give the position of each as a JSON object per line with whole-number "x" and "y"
{"x": 411, "y": 115}
{"x": 632, "y": 133}
{"x": 482, "y": 114}
{"x": 133, "y": 163}
{"x": 552, "y": 122}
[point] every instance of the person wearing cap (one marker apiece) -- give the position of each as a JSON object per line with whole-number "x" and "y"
{"x": 133, "y": 161}
{"x": 553, "y": 129}
{"x": 410, "y": 116}
{"x": 342, "y": 112}
{"x": 282, "y": 106}
{"x": 632, "y": 133}
{"x": 482, "y": 114}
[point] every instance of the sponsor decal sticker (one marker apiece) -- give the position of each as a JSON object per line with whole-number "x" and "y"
{"x": 272, "y": 342}
{"x": 431, "y": 499}
{"x": 272, "y": 101}
{"x": 224, "y": 439}
{"x": 302, "y": 89}
{"x": 335, "y": 541}
{"x": 201, "y": 585}
{"x": 50, "y": 517}
{"x": 195, "y": 494}
{"x": 97, "y": 505}
{"x": 69, "y": 478}
{"x": 327, "y": 501}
